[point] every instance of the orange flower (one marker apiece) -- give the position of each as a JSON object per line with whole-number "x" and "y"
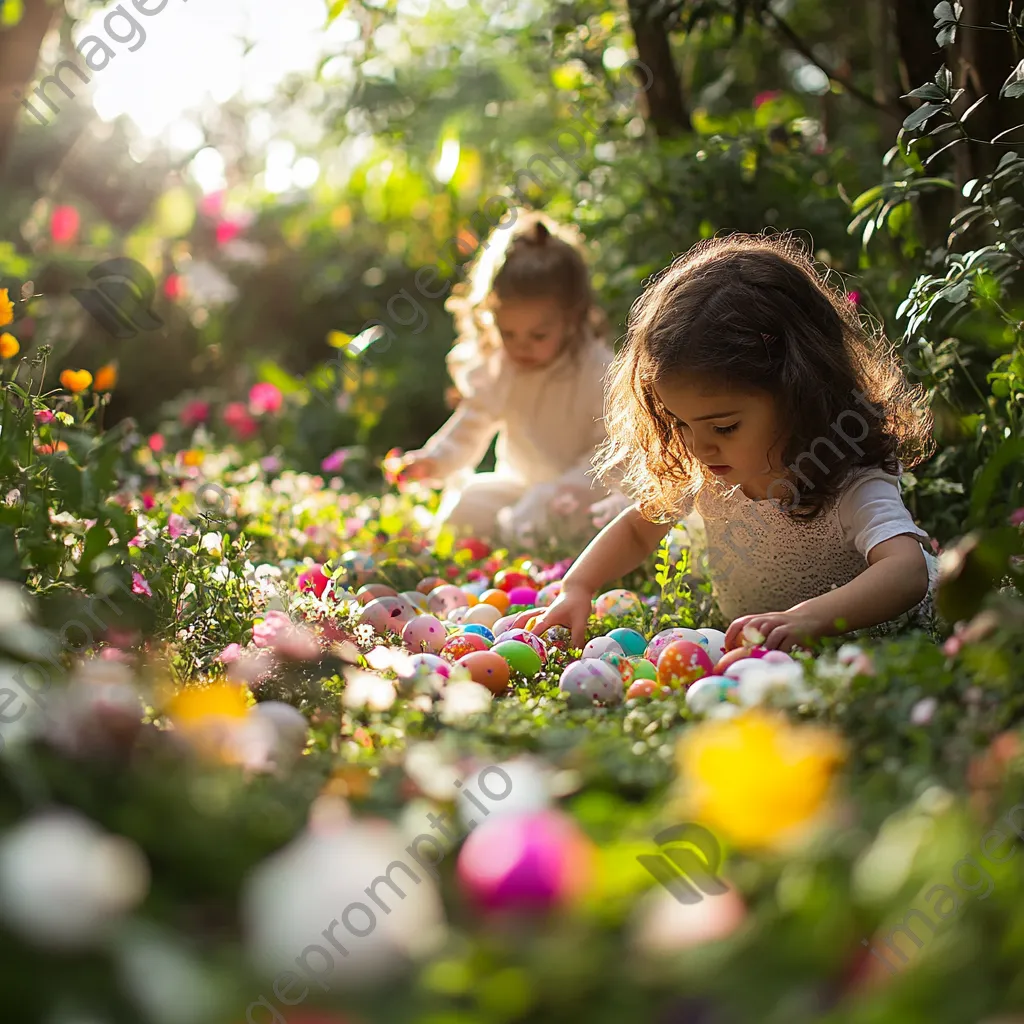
{"x": 9, "y": 346}
{"x": 192, "y": 457}
{"x": 51, "y": 449}
{"x": 6, "y": 308}
{"x": 76, "y": 380}
{"x": 106, "y": 378}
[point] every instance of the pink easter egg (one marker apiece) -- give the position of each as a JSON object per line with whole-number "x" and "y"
{"x": 388, "y": 614}
{"x": 522, "y": 595}
{"x": 424, "y": 664}
{"x": 424, "y": 633}
{"x": 547, "y": 594}
{"x": 529, "y": 862}
{"x": 445, "y": 598}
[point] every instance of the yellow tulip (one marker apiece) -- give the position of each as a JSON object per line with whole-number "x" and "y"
{"x": 757, "y": 780}
{"x": 6, "y": 308}
{"x": 9, "y": 346}
{"x": 76, "y": 380}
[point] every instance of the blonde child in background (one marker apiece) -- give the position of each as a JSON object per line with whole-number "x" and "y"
{"x": 529, "y": 366}
{"x": 749, "y": 391}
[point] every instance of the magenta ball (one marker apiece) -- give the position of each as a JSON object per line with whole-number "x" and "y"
{"x": 531, "y": 861}
{"x": 522, "y": 595}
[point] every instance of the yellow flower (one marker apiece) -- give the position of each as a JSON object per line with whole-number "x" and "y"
{"x": 338, "y": 339}
{"x": 194, "y": 705}
{"x": 9, "y": 346}
{"x": 756, "y": 779}
{"x": 6, "y": 308}
{"x": 106, "y": 378}
{"x": 192, "y": 457}
{"x": 76, "y": 380}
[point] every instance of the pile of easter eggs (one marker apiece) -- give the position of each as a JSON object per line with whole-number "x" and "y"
{"x": 472, "y": 625}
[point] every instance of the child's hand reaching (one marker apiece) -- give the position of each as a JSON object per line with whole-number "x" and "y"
{"x": 418, "y": 466}
{"x": 781, "y": 630}
{"x": 570, "y": 609}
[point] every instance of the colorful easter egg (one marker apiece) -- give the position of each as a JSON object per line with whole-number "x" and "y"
{"x": 557, "y": 636}
{"x": 484, "y": 614}
{"x": 643, "y": 668}
{"x": 714, "y": 641}
{"x": 642, "y": 688}
{"x": 488, "y": 669}
{"x": 705, "y": 693}
{"x": 429, "y": 583}
{"x": 600, "y": 645}
{"x": 505, "y": 622}
{"x": 388, "y": 614}
{"x": 525, "y": 637}
{"x": 616, "y": 603}
{"x": 592, "y": 678}
{"x": 682, "y": 663}
{"x": 621, "y": 664}
{"x": 475, "y": 627}
{"x": 629, "y": 640}
{"x": 462, "y": 644}
{"x": 508, "y": 579}
{"x": 496, "y": 597}
{"x": 735, "y": 655}
{"x": 364, "y": 595}
{"x": 457, "y": 616}
{"x": 547, "y": 594}
{"x": 444, "y": 598}
{"x": 424, "y": 664}
{"x": 522, "y": 657}
{"x": 660, "y": 641}
{"x": 424, "y": 633}
{"x": 531, "y": 862}
{"x": 522, "y": 596}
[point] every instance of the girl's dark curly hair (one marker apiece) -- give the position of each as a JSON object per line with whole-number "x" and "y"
{"x": 751, "y": 312}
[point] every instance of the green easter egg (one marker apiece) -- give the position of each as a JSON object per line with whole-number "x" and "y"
{"x": 521, "y": 657}
{"x": 643, "y": 669}
{"x": 629, "y": 640}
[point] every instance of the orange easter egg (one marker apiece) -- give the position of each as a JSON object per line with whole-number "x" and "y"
{"x": 642, "y": 688}
{"x": 683, "y": 662}
{"x": 425, "y": 586}
{"x": 364, "y": 595}
{"x": 487, "y": 669}
{"x": 496, "y": 597}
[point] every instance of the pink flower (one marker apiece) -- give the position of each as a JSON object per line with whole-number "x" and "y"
{"x": 172, "y": 287}
{"x": 139, "y": 585}
{"x": 265, "y": 398}
{"x": 194, "y": 413}
{"x": 264, "y": 633}
{"x": 237, "y": 418}
{"x": 333, "y": 462}
{"x": 211, "y": 205}
{"x": 276, "y": 631}
{"x": 64, "y": 224}
{"x": 1017, "y": 517}
{"x": 853, "y": 298}
{"x": 178, "y": 526}
{"x": 270, "y": 464}
{"x": 148, "y": 501}
{"x": 230, "y": 654}
{"x": 44, "y": 416}
{"x": 227, "y": 230}
{"x": 766, "y": 97}
{"x": 156, "y": 442}
{"x": 315, "y": 580}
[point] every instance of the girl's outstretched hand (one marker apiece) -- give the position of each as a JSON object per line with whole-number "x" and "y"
{"x": 781, "y": 630}
{"x": 417, "y": 466}
{"x": 570, "y": 609}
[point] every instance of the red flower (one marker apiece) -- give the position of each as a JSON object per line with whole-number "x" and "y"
{"x": 227, "y": 230}
{"x": 44, "y": 416}
{"x": 64, "y": 224}
{"x": 315, "y": 580}
{"x": 194, "y": 413}
{"x": 172, "y": 287}
{"x": 766, "y": 97}
{"x": 477, "y": 548}
{"x": 156, "y": 442}
{"x": 237, "y": 418}
{"x": 265, "y": 397}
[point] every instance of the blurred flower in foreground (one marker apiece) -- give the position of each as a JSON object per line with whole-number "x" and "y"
{"x": 211, "y": 718}
{"x": 76, "y": 381}
{"x": 106, "y": 378}
{"x": 6, "y": 308}
{"x": 9, "y": 346}
{"x": 194, "y": 413}
{"x": 265, "y": 398}
{"x": 237, "y": 419}
{"x": 392, "y": 466}
{"x": 757, "y": 780}
{"x": 63, "y": 880}
{"x": 1017, "y": 517}
{"x": 321, "y": 878}
{"x": 140, "y": 586}
{"x": 663, "y": 925}
{"x": 334, "y": 462}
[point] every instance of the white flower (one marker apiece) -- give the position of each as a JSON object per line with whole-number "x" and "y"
{"x": 213, "y": 545}
{"x": 63, "y": 880}
{"x": 318, "y": 885}
{"x": 923, "y": 711}
{"x": 778, "y": 684}
{"x": 365, "y": 689}
{"x": 462, "y": 699}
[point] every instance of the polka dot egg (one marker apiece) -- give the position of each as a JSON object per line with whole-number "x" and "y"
{"x": 488, "y": 669}
{"x": 424, "y": 633}
{"x": 592, "y": 678}
{"x": 601, "y": 645}
{"x": 683, "y": 662}
{"x": 388, "y": 614}
{"x": 443, "y": 599}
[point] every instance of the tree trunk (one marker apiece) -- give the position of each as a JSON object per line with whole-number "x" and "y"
{"x": 666, "y": 107}
{"x": 19, "y": 52}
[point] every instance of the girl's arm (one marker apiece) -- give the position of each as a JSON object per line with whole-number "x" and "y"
{"x": 622, "y": 546}
{"x": 895, "y": 580}
{"x": 463, "y": 441}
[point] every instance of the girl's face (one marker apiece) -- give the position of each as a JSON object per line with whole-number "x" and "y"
{"x": 736, "y": 434}
{"x": 533, "y": 331}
